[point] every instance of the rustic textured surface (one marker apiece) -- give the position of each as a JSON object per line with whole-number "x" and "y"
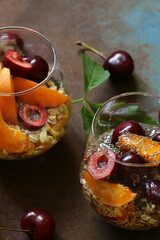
{"x": 51, "y": 182}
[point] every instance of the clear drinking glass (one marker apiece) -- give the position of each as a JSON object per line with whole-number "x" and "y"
{"x": 34, "y": 112}
{"x": 120, "y": 171}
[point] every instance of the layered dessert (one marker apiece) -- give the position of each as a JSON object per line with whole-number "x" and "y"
{"x": 120, "y": 176}
{"x": 33, "y": 114}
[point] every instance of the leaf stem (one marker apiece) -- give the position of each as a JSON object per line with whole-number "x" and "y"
{"x": 15, "y": 230}
{"x": 77, "y": 100}
{"x": 90, "y": 48}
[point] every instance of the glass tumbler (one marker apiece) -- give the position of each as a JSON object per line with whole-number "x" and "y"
{"x": 120, "y": 171}
{"x": 34, "y": 100}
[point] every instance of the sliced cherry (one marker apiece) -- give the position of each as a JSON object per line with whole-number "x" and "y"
{"x": 32, "y": 117}
{"x": 153, "y": 191}
{"x": 39, "y": 69}
{"x": 101, "y": 166}
{"x": 11, "y": 39}
{"x": 41, "y": 224}
{"x": 156, "y": 137}
{"x": 14, "y": 61}
{"x": 128, "y": 126}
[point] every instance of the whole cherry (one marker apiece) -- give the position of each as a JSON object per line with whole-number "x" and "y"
{"x": 35, "y": 223}
{"x": 40, "y": 224}
{"x": 119, "y": 64}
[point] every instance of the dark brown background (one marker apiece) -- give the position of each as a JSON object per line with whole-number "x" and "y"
{"x": 51, "y": 182}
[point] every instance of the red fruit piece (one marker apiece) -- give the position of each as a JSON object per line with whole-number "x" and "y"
{"x": 101, "y": 166}
{"x": 11, "y": 39}
{"x": 39, "y": 69}
{"x": 32, "y": 117}
{"x": 41, "y": 224}
{"x": 14, "y": 61}
{"x": 127, "y": 126}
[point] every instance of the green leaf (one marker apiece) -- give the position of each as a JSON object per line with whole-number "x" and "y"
{"x": 94, "y": 106}
{"x": 87, "y": 117}
{"x": 94, "y": 73}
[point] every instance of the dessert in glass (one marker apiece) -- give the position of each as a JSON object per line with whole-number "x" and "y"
{"x": 34, "y": 100}
{"x": 120, "y": 171}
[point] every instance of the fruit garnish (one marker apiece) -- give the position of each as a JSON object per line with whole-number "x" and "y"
{"x": 11, "y": 139}
{"x": 148, "y": 149}
{"x": 8, "y": 103}
{"x": 32, "y": 117}
{"x": 42, "y": 96}
{"x": 112, "y": 194}
{"x": 40, "y": 224}
{"x": 131, "y": 157}
{"x": 127, "y": 126}
{"x": 39, "y": 69}
{"x": 156, "y": 137}
{"x": 119, "y": 64}
{"x": 101, "y": 166}
{"x": 14, "y": 61}
{"x": 153, "y": 192}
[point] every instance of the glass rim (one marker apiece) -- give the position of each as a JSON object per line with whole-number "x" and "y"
{"x": 145, "y": 94}
{"x": 50, "y": 72}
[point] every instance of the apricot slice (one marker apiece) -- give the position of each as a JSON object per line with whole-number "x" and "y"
{"x": 11, "y": 139}
{"x": 148, "y": 149}
{"x": 112, "y": 194}
{"x": 7, "y": 103}
{"x": 42, "y": 96}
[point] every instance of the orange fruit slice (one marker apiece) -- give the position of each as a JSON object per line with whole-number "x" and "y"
{"x": 112, "y": 194}
{"x": 42, "y": 96}
{"x": 7, "y": 103}
{"x": 149, "y": 150}
{"x": 11, "y": 139}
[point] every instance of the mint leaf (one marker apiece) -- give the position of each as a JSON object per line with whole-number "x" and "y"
{"x": 94, "y": 106}
{"x": 131, "y": 112}
{"x": 94, "y": 73}
{"x": 87, "y": 117}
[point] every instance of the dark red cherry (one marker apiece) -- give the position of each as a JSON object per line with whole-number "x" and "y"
{"x": 32, "y": 117}
{"x": 153, "y": 191}
{"x": 131, "y": 157}
{"x": 14, "y": 61}
{"x": 119, "y": 64}
{"x": 39, "y": 69}
{"x": 132, "y": 175}
{"x": 101, "y": 166}
{"x": 156, "y": 137}
{"x": 11, "y": 39}
{"x": 128, "y": 126}
{"x": 41, "y": 224}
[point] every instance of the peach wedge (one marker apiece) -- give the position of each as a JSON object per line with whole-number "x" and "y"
{"x": 11, "y": 139}
{"x": 42, "y": 96}
{"x": 112, "y": 194}
{"x": 7, "y": 103}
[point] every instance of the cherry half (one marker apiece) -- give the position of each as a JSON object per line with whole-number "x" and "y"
{"x": 32, "y": 117}
{"x": 127, "y": 126}
{"x": 39, "y": 69}
{"x": 119, "y": 64}
{"x": 101, "y": 166}
{"x": 14, "y": 61}
{"x": 40, "y": 224}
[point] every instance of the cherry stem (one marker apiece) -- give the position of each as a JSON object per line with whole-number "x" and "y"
{"x": 90, "y": 48}
{"x": 14, "y": 229}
